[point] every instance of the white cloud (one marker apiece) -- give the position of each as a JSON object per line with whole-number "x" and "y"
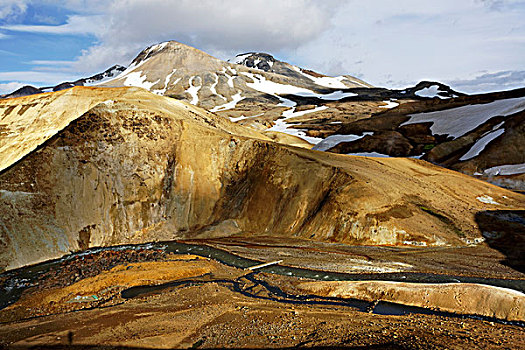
{"x": 125, "y": 27}
{"x": 75, "y": 25}
{"x": 387, "y": 43}
{"x": 46, "y": 78}
{"x": 6, "y": 88}
{"x": 491, "y": 81}
{"x": 404, "y": 42}
{"x": 51, "y": 63}
{"x": 11, "y": 8}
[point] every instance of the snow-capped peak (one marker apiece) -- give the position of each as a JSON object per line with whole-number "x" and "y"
{"x": 258, "y": 60}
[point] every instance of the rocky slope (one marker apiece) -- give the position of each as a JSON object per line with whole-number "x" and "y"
{"x": 343, "y": 114}
{"x": 91, "y": 167}
{"x": 480, "y": 135}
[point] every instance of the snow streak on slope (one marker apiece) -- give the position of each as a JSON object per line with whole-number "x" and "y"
{"x": 213, "y": 87}
{"x": 193, "y": 91}
{"x": 334, "y": 140}
{"x": 509, "y": 169}
{"x": 282, "y": 126}
{"x": 235, "y": 98}
{"x": 481, "y": 144}
{"x": 458, "y": 121}
{"x": 261, "y": 84}
{"x": 166, "y": 83}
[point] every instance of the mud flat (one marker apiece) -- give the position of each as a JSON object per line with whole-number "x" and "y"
{"x": 156, "y": 298}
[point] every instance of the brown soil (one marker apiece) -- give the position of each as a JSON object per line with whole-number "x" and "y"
{"x": 207, "y": 312}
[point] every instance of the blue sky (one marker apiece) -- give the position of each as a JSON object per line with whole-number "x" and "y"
{"x": 473, "y": 45}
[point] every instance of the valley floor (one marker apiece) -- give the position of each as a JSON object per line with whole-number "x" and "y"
{"x": 147, "y": 297}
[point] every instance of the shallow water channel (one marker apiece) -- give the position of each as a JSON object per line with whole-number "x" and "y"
{"x": 16, "y": 281}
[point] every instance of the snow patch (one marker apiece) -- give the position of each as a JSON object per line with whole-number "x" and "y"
{"x": 487, "y": 200}
{"x": 458, "y": 121}
{"x": 432, "y": 91}
{"x": 193, "y": 91}
{"x": 158, "y": 47}
{"x": 508, "y": 169}
{"x": 269, "y": 87}
{"x": 236, "y": 119}
{"x": 132, "y": 67}
{"x": 261, "y": 84}
{"x": 333, "y": 140}
{"x": 481, "y": 144}
{"x": 139, "y": 80}
{"x": 389, "y": 104}
{"x": 235, "y": 98}
{"x": 369, "y": 154}
{"x": 282, "y": 126}
{"x": 337, "y": 95}
{"x": 239, "y": 59}
{"x": 291, "y": 112}
{"x": 331, "y": 82}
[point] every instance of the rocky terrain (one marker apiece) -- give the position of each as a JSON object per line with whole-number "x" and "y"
{"x": 153, "y": 297}
{"x": 344, "y": 114}
{"x": 134, "y": 213}
{"x": 105, "y": 166}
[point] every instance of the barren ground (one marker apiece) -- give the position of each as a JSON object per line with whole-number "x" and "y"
{"x": 86, "y": 302}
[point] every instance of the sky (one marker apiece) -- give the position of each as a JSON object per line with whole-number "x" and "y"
{"x": 472, "y": 45}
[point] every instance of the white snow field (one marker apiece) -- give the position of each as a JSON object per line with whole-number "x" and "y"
{"x": 282, "y": 126}
{"x": 508, "y": 169}
{"x": 334, "y": 140}
{"x": 431, "y": 92}
{"x": 137, "y": 79}
{"x": 481, "y": 144}
{"x": 458, "y": 121}
{"x": 261, "y": 84}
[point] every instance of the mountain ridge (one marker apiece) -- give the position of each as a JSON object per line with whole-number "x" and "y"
{"x": 300, "y": 107}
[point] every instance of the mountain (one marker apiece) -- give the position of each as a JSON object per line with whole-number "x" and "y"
{"x": 92, "y": 80}
{"x": 343, "y": 114}
{"x": 23, "y": 91}
{"x": 234, "y": 189}
{"x": 89, "y": 166}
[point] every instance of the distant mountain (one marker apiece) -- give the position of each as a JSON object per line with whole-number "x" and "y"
{"x": 257, "y": 90}
{"x": 23, "y": 91}
{"x": 342, "y": 114}
{"x": 92, "y": 80}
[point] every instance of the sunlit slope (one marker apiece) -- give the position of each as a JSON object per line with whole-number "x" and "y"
{"x": 128, "y": 166}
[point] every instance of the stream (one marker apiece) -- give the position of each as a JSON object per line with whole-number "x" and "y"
{"x": 16, "y": 281}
